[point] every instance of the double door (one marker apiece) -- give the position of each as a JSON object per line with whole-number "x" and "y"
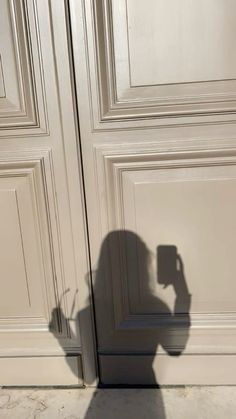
{"x": 117, "y": 192}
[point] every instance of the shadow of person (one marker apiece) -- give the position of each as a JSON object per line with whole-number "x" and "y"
{"x": 128, "y": 348}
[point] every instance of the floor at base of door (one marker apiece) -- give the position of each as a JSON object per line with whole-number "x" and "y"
{"x": 167, "y": 403}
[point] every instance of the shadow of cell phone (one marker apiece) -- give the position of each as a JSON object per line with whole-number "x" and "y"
{"x": 167, "y": 264}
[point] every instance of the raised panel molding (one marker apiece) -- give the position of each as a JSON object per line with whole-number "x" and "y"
{"x": 211, "y": 331}
{"x": 22, "y": 104}
{"x": 119, "y": 104}
{"x": 23, "y": 178}
{"x": 32, "y": 235}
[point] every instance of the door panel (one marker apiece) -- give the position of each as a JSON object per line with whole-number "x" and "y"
{"x": 21, "y": 100}
{"x": 158, "y": 143}
{"x": 20, "y": 259}
{"x": 41, "y": 204}
{"x": 158, "y": 71}
{"x": 176, "y": 40}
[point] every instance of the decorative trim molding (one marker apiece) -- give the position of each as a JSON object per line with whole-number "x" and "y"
{"x": 37, "y": 169}
{"x": 25, "y": 107}
{"x": 114, "y": 108}
{"x": 112, "y": 163}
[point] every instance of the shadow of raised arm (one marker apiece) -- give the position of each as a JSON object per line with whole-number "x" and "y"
{"x": 180, "y": 319}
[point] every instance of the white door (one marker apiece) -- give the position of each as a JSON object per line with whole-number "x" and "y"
{"x": 42, "y": 247}
{"x": 156, "y": 91}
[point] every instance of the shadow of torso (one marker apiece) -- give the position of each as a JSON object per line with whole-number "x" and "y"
{"x": 143, "y": 342}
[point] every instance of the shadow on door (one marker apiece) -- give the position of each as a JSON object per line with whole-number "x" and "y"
{"x": 170, "y": 273}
